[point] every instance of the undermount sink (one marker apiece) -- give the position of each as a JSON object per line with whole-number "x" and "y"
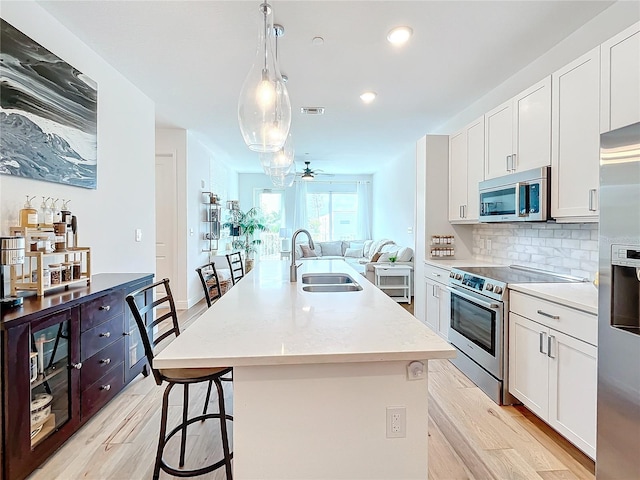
{"x": 326, "y": 278}
{"x": 344, "y": 287}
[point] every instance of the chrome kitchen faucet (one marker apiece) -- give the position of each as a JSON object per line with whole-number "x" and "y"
{"x": 293, "y": 268}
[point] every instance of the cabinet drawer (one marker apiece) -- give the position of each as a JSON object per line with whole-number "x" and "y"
{"x": 98, "y": 364}
{"x": 393, "y": 271}
{"x": 437, "y": 274}
{"x": 101, "y": 391}
{"x": 575, "y": 323}
{"x": 99, "y": 337}
{"x": 101, "y": 309}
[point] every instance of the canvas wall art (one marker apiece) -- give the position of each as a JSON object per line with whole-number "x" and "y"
{"x": 48, "y": 114}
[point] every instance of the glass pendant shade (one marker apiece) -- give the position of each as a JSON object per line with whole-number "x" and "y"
{"x": 264, "y": 109}
{"x": 278, "y": 161}
{"x": 282, "y": 180}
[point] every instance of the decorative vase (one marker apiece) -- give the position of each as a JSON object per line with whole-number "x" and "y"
{"x": 248, "y": 265}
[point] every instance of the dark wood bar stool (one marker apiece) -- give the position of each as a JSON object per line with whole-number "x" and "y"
{"x": 210, "y": 282}
{"x": 236, "y": 266}
{"x": 161, "y": 313}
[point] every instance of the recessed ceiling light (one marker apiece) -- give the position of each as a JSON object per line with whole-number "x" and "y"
{"x": 399, "y": 35}
{"x": 368, "y": 97}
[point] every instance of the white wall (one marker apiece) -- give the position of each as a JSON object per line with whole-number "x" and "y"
{"x": 124, "y": 199}
{"x": 394, "y": 199}
{"x": 611, "y": 21}
{"x": 197, "y": 171}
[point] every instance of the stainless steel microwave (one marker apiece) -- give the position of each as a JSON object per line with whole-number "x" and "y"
{"x": 518, "y": 197}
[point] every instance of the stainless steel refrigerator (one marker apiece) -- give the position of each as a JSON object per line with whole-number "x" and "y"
{"x": 618, "y": 433}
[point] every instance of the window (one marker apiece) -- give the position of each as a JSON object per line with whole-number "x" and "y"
{"x": 271, "y": 203}
{"x": 332, "y": 216}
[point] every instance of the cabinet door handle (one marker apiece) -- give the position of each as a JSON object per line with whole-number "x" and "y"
{"x": 461, "y": 214}
{"x": 593, "y": 195}
{"x": 549, "y": 315}
{"x": 513, "y": 162}
{"x": 436, "y": 291}
{"x": 508, "y": 163}
{"x": 105, "y": 361}
{"x": 542, "y": 342}
{"x": 106, "y": 387}
{"x": 105, "y": 334}
{"x": 550, "y": 342}
{"x": 77, "y": 366}
{"x": 106, "y": 308}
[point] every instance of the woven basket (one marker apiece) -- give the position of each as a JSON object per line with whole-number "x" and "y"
{"x": 225, "y": 285}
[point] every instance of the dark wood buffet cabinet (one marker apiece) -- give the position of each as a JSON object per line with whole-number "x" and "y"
{"x": 64, "y": 356}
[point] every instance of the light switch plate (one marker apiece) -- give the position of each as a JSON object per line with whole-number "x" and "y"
{"x": 138, "y": 234}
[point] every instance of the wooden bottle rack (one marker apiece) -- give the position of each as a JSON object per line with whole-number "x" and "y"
{"x": 21, "y": 279}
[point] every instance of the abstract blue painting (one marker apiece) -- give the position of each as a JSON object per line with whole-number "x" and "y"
{"x": 48, "y": 114}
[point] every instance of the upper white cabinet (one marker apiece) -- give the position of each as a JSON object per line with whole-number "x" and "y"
{"x": 518, "y": 132}
{"x": 575, "y": 151}
{"x": 466, "y": 164}
{"x": 620, "y": 72}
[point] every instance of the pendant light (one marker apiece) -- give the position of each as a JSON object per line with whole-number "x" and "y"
{"x": 264, "y": 109}
{"x": 275, "y": 163}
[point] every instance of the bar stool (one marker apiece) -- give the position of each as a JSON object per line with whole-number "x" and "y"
{"x": 210, "y": 282}
{"x": 236, "y": 267}
{"x": 164, "y": 311}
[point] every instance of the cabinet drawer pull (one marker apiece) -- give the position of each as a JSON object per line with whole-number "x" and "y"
{"x": 105, "y": 387}
{"x": 105, "y": 334}
{"x": 105, "y": 361}
{"x": 435, "y": 274}
{"x": 545, "y": 314}
{"x": 542, "y": 342}
{"x": 550, "y": 342}
{"x": 77, "y": 366}
{"x": 106, "y": 308}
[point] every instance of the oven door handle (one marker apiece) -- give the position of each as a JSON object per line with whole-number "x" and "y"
{"x": 474, "y": 299}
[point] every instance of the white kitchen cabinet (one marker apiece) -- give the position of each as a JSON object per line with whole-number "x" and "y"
{"x": 552, "y": 373}
{"x": 518, "y": 132}
{"x": 466, "y": 170}
{"x": 438, "y": 300}
{"x": 575, "y": 152}
{"x": 620, "y": 74}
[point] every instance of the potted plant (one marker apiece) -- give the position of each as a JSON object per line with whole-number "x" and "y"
{"x": 243, "y": 226}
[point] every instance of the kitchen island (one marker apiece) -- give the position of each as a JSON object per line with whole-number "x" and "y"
{"x": 314, "y": 374}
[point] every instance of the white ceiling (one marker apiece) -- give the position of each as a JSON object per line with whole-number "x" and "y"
{"x": 191, "y": 57}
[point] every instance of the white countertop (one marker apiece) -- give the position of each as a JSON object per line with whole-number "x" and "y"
{"x": 266, "y": 320}
{"x": 449, "y": 264}
{"x": 583, "y": 296}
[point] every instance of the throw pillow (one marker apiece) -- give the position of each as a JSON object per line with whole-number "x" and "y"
{"x": 384, "y": 257}
{"x": 331, "y": 249}
{"x": 353, "y": 252}
{"x": 375, "y": 257}
{"x": 307, "y": 252}
{"x": 366, "y": 247}
{"x": 405, "y": 254}
{"x": 358, "y": 245}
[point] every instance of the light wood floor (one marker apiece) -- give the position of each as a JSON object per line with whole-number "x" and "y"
{"x": 470, "y": 437}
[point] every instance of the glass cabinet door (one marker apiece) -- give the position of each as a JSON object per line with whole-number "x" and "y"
{"x": 136, "y": 360}
{"x": 50, "y": 380}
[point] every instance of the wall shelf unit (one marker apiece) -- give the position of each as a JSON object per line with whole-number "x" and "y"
{"x": 212, "y": 214}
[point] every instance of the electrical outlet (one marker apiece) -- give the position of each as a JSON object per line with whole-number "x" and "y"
{"x": 396, "y": 422}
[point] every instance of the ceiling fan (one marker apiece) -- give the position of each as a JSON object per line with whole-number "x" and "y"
{"x": 308, "y": 174}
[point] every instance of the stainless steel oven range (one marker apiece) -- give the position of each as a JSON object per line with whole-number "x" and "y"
{"x": 478, "y": 330}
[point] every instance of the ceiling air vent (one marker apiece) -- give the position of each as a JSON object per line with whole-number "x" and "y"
{"x": 312, "y": 110}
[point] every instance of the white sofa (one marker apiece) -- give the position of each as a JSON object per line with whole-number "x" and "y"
{"x": 362, "y": 255}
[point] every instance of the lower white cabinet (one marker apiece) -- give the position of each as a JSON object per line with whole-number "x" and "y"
{"x": 438, "y": 301}
{"x": 555, "y": 376}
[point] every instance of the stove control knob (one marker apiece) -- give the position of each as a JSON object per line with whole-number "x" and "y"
{"x": 497, "y": 290}
{"x": 489, "y": 287}
{"x": 452, "y": 275}
{"x": 458, "y": 276}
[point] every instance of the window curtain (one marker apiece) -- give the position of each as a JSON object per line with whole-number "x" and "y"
{"x": 300, "y": 212}
{"x": 364, "y": 217}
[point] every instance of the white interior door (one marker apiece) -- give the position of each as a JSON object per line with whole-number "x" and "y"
{"x": 166, "y": 216}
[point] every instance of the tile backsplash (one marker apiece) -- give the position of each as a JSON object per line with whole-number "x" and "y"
{"x": 570, "y": 249}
